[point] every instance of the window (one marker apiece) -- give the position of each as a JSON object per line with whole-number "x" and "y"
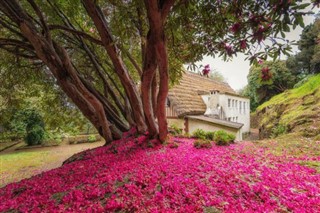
{"x": 236, "y": 104}
{"x": 229, "y": 102}
{"x": 240, "y": 106}
{"x": 244, "y": 107}
{"x": 232, "y": 103}
{"x": 168, "y": 103}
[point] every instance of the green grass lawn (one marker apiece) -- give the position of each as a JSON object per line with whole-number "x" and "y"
{"x": 21, "y": 164}
{"x": 16, "y": 166}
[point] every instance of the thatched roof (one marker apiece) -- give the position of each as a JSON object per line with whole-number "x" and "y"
{"x": 186, "y": 96}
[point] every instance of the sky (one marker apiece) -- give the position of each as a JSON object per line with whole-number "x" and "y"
{"x": 236, "y": 71}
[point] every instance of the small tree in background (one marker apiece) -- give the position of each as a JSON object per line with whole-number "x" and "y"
{"x": 267, "y": 79}
{"x": 29, "y": 123}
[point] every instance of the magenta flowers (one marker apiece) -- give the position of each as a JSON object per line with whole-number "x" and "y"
{"x": 131, "y": 177}
{"x": 206, "y": 70}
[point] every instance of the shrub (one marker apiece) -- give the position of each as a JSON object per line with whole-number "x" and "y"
{"x": 92, "y": 138}
{"x": 32, "y": 122}
{"x": 175, "y": 130}
{"x": 200, "y": 134}
{"x": 280, "y": 129}
{"x": 35, "y": 135}
{"x": 232, "y": 137}
{"x": 222, "y": 138}
{"x": 210, "y": 135}
{"x": 202, "y": 144}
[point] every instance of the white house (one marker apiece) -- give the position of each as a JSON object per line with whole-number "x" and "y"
{"x": 198, "y": 102}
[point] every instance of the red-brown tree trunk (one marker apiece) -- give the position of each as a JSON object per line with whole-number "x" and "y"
{"x": 112, "y": 50}
{"x": 157, "y": 12}
{"x": 163, "y": 89}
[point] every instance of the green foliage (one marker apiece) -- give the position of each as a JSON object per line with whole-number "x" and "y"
{"x": 210, "y": 135}
{"x": 92, "y": 138}
{"x": 222, "y": 138}
{"x": 292, "y": 95}
{"x": 35, "y": 135}
{"x": 30, "y": 123}
{"x": 175, "y": 130}
{"x": 200, "y": 134}
{"x": 194, "y": 29}
{"x": 307, "y": 61}
{"x": 232, "y": 137}
{"x": 278, "y": 130}
{"x": 201, "y": 143}
{"x": 261, "y": 89}
{"x": 203, "y": 135}
{"x": 296, "y": 110}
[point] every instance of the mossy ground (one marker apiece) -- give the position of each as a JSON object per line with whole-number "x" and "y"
{"x": 292, "y": 145}
{"x": 297, "y": 109}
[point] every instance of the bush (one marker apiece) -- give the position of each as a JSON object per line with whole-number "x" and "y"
{"x": 210, "y": 135}
{"x": 280, "y": 129}
{"x": 31, "y": 123}
{"x": 232, "y": 137}
{"x": 202, "y": 144}
{"x": 200, "y": 134}
{"x": 92, "y": 138}
{"x": 175, "y": 130}
{"x": 35, "y": 135}
{"x": 222, "y": 138}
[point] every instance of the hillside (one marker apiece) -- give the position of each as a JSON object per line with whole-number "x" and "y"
{"x": 296, "y": 111}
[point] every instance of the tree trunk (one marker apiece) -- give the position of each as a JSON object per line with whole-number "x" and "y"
{"x": 112, "y": 50}
{"x": 102, "y": 110}
{"x": 57, "y": 59}
{"x": 149, "y": 70}
{"x": 163, "y": 89}
{"x": 157, "y": 12}
{"x": 154, "y": 91}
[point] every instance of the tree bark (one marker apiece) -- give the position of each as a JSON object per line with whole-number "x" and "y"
{"x": 58, "y": 61}
{"x": 109, "y": 44}
{"x": 154, "y": 91}
{"x": 157, "y": 12}
{"x": 149, "y": 69}
{"x": 163, "y": 89}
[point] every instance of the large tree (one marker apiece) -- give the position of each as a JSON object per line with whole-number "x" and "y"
{"x": 266, "y": 80}
{"x": 112, "y": 58}
{"x": 307, "y": 61}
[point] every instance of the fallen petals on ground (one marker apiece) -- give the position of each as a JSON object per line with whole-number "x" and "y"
{"x": 133, "y": 175}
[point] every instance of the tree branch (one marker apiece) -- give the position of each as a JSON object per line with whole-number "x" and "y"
{"x": 76, "y": 32}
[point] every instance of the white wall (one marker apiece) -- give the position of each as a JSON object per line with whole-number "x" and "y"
{"x": 195, "y": 124}
{"x": 233, "y": 112}
{"x": 237, "y": 109}
{"x": 179, "y": 122}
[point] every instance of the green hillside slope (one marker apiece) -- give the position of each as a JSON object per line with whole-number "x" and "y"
{"x": 294, "y": 111}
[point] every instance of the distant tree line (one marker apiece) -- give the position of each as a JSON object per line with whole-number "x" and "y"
{"x": 269, "y": 78}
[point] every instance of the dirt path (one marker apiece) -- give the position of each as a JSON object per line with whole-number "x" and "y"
{"x": 254, "y": 135}
{"x": 16, "y": 165}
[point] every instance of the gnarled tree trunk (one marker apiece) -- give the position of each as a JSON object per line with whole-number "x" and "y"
{"x": 110, "y": 114}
